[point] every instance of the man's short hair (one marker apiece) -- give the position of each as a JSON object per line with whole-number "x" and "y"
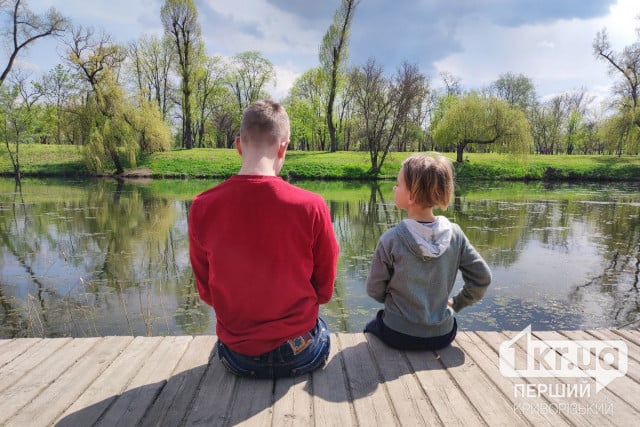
{"x": 429, "y": 178}
{"x": 266, "y": 121}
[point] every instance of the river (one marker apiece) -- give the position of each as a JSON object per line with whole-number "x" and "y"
{"x": 105, "y": 257}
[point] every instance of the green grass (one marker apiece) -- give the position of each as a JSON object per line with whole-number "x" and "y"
{"x": 64, "y": 160}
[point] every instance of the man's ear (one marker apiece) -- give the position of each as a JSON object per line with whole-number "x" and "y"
{"x": 238, "y": 145}
{"x": 282, "y": 149}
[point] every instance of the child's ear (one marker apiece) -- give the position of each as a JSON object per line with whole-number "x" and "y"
{"x": 238, "y": 145}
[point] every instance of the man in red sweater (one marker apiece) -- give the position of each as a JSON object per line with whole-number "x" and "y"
{"x": 264, "y": 256}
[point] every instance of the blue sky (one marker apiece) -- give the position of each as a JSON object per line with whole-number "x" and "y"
{"x": 476, "y": 40}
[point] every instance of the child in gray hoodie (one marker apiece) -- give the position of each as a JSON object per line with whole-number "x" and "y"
{"x": 416, "y": 262}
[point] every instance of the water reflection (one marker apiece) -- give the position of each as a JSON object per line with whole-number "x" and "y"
{"x": 104, "y": 257}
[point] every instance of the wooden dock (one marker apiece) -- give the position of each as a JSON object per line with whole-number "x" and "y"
{"x": 178, "y": 380}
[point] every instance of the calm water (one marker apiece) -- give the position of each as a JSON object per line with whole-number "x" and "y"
{"x": 103, "y": 257}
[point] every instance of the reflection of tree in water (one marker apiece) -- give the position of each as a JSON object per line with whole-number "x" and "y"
{"x": 618, "y": 229}
{"x": 115, "y": 243}
{"x": 358, "y": 225}
{"x": 192, "y": 315}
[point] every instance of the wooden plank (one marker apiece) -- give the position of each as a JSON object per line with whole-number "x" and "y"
{"x": 492, "y": 405}
{"x": 633, "y": 341}
{"x": 487, "y": 359}
{"x": 88, "y": 408}
{"x": 407, "y": 396}
{"x": 331, "y": 399}
{"x": 633, "y": 351}
{"x": 252, "y": 404}
{"x": 621, "y": 413}
{"x": 293, "y": 403}
{"x": 625, "y": 388}
{"x": 449, "y": 402}
{"x": 214, "y": 398}
{"x": 52, "y": 402}
{"x": 13, "y": 399}
{"x": 130, "y": 406}
{"x": 368, "y": 392}
{"x": 19, "y": 367}
{"x": 574, "y": 413}
{"x": 175, "y": 399}
{"x": 14, "y": 348}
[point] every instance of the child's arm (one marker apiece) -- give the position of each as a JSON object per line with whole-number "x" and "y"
{"x": 475, "y": 274}
{"x": 379, "y": 274}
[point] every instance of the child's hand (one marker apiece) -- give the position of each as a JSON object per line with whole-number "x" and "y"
{"x": 450, "y": 304}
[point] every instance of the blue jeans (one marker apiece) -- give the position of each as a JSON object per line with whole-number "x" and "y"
{"x": 297, "y": 356}
{"x": 402, "y": 341}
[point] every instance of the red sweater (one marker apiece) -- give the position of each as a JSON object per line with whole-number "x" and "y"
{"x": 264, "y": 255}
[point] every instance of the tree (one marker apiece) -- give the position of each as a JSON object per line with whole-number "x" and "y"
{"x": 209, "y": 85}
{"x": 517, "y": 90}
{"x": 59, "y": 88}
{"x": 383, "y": 106}
{"x": 481, "y": 120}
{"x": 151, "y": 59}
{"x": 625, "y": 64}
{"x": 547, "y": 121}
{"x": 117, "y": 126}
{"x": 305, "y": 104}
{"x": 25, "y": 27}
{"x": 250, "y": 74}
{"x": 180, "y": 22}
{"x": 333, "y": 56}
{"x": 452, "y": 83}
{"x": 13, "y": 124}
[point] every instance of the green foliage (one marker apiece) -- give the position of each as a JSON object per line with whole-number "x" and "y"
{"x": 480, "y": 120}
{"x": 65, "y": 160}
{"x": 152, "y": 133}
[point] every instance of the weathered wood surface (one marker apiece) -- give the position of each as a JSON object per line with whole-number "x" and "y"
{"x": 174, "y": 381}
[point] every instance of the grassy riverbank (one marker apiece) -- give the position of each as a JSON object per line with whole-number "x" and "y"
{"x": 51, "y": 160}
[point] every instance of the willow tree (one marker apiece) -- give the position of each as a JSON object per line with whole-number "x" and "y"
{"x": 333, "y": 57}
{"x": 180, "y": 22}
{"x": 117, "y": 126}
{"x": 480, "y": 120}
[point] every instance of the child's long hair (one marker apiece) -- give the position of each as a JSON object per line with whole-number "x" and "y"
{"x": 429, "y": 178}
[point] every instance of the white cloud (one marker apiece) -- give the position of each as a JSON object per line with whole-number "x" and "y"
{"x": 557, "y": 56}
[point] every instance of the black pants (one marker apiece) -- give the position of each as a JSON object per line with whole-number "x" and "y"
{"x": 402, "y": 341}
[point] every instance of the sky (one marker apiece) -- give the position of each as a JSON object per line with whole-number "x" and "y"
{"x": 548, "y": 41}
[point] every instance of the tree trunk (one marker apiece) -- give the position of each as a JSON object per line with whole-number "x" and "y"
{"x": 116, "y": 161}
{"x": 460, "y": 151}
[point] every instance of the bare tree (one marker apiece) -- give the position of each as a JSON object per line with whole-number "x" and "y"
{"x": 152, "y": 59}
{"x": 384, "y": 105}
{"x": 625, "y": 64}
{"x": 333, "y": 55}
{"x": 452, "y": 83}
{"x": 25, "y": 27}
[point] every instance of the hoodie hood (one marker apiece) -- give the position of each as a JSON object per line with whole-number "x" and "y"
{"x": 426, "y": 240}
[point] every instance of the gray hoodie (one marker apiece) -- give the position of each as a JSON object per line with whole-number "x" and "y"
{"x": 413, "y": 272}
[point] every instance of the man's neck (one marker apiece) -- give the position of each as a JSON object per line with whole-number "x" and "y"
{"x": 263, "y": 166}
